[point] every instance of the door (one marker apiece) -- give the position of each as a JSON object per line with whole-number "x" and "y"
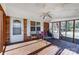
{"x": 46, "y": 26}
{"x": 63, "y": 30}
{"x": 56, "y": 30}
{"x": 69, "y": 31}
{"x": 16, "y": 30}
{"x": 76, "y": 32}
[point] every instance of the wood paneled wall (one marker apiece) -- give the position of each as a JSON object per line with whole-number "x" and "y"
{"x": 4, "y": 28}
{"x": 7, "y": 29}
{"x": 1, "y": 28}
{"x": 1, "y": 31}
{"x": 46, "y": 26}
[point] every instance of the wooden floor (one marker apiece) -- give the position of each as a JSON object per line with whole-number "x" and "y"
{"x": 36, "y": 47}
{"x": 25, "y": 48}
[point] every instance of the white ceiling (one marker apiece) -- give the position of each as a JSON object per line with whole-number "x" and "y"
{"x": 34, "y": 10}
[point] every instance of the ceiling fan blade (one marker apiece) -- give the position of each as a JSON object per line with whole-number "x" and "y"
{"x": 50, "y": 16}
{"x": 43, "y": 17}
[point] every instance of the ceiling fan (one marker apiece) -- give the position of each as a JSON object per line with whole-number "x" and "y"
{"x": 45, "y": 15}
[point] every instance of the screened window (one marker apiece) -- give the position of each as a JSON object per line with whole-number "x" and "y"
{"x": 16, "y": 27}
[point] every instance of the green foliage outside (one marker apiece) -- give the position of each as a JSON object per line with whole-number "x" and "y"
{"x": 69, "y": 26}
{"x": 77, "y": 25}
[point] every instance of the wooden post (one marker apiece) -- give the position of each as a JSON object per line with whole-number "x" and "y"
{"x": 25, "y": 29}
{"x": 73, "y": 31}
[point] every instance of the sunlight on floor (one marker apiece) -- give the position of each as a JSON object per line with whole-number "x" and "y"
{"x": 68, "y": 52}
{"x": 51, "y": 50}
{"x": 25, "y": 48}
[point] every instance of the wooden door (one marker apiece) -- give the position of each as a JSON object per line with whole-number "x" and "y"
{"x": 46, "y": 26}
